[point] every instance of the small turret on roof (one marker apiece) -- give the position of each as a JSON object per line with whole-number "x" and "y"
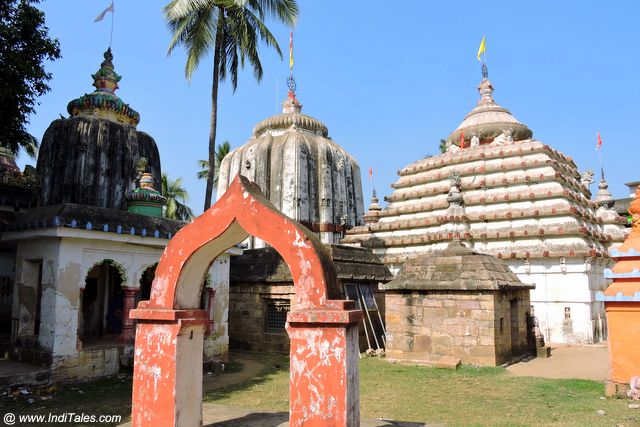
{"x": 373, "y": 213}
{"x": 103, "y": 102}
{"x": 612, "y": 222}
{"x": 488, "y": 119}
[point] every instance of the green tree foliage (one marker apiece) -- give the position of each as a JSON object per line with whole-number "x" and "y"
{"x": 221, "y": 152}
{"x": 443, "y": 145}
{"x": 232, "y": 29}
{"x": 24, "y": 48}
{"x": 177, "y": 196}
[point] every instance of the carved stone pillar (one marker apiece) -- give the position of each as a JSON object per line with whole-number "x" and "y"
{"x": 128, "y": 333}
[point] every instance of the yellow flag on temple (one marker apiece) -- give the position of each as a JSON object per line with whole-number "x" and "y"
{"x": 291, "y": 50}
{"x": 482, "y": 48}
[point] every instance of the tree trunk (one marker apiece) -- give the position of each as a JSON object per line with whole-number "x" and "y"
{"x": 214, "y": 111}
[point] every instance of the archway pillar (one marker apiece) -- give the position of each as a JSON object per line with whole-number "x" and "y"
{"x": 167, "y": 372}
{"x": 323, "y": 379}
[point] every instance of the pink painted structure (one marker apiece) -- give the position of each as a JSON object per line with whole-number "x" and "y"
{"x": 324, "y": 378}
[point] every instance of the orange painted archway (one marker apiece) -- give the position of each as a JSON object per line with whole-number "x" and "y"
{"x": 167, "y": 388}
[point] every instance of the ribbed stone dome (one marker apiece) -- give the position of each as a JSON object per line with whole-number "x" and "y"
{"x": 488, "y": 120}
{"x": 302, "y": 171}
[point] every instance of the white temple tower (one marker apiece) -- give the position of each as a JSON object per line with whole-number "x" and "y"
{"x": 525, "y": 203}
{"x": 301, "y": 171}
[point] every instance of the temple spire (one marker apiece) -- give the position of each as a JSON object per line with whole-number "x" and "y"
{"x": 604, "y": 197}
{"x": 104, "y": 102}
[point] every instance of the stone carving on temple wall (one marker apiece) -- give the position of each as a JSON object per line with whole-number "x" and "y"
{"x": 586, "y": 178}
{"x": 504, "y": 138}
{"x": 455, "y": 197}
{"x": 453, "y": 148}
{"x": 475, "y": 141}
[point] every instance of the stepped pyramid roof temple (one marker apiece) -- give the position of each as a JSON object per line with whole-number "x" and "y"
{"x": 524, "y": 202}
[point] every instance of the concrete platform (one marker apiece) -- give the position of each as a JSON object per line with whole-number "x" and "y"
{"x": 14, "y": 373}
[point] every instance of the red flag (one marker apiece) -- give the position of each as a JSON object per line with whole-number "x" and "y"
{"x": 461, "y": 139}
{"x": 370, "y": 174}
{"x": 599, "y": 142}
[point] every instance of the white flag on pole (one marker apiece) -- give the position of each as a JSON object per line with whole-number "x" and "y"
{"x": 104, "y": 12}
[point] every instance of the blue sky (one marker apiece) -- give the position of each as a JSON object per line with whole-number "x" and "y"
{"x": 388, "y": 78}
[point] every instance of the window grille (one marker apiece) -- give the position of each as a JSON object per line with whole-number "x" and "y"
{"x": 276, "y": 315}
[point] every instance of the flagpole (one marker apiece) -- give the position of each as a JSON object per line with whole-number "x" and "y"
{"x": 600, "y": 157}
{"x": 113, "y": 12}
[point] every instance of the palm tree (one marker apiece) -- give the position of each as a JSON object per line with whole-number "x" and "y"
{"x": 222, "y": 150}
{"x": 176, "y": 196}
{"x": 232, "y": 29}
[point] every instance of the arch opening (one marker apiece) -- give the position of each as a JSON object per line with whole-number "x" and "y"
{"x": 101, "y": 305}
{"x": 323, "y": 328}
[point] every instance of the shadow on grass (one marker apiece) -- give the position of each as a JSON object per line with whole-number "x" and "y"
{"x": 257, "y": 419}
{"x": 274, "y": 364}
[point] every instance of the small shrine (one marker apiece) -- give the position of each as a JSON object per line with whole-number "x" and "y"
{"x": 455, "y": 305}
{"x": 86, "y": 254}
{"x": 145, "y": 199}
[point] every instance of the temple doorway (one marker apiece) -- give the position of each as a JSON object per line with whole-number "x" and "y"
{"x": 146, "y": 280}
{"x": 102, "y": 303}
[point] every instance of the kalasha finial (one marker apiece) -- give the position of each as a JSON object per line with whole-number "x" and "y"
{"x": 291, "y": 84}
{"x": 108, "y": 56}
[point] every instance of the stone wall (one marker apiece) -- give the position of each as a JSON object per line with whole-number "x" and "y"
{"x": 430, "y": 326}
{"x": 260, "y": 277}
{"x": 247, "y": 315}
{"x": 248, "y": 311}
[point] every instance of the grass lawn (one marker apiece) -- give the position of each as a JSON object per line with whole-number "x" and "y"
{"x": 467, "y": 396}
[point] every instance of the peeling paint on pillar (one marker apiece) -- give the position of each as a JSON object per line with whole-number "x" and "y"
{"x": 324, "y": 381}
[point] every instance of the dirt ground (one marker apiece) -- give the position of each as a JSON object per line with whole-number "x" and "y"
{"x": 590, "y": 362}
